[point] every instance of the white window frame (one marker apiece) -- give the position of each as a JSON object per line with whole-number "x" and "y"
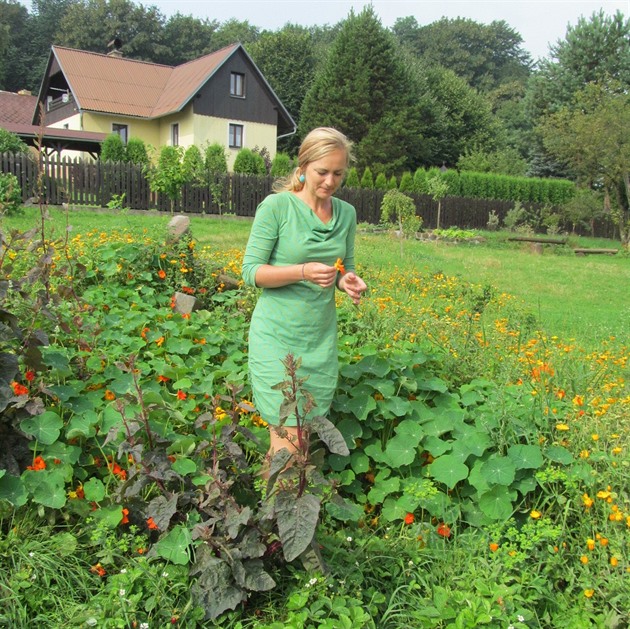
{"x": 237, "y": 80}
{"x": 232, "y": 133}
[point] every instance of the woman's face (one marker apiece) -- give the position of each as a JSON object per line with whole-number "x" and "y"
{"x": 324, "y": 176}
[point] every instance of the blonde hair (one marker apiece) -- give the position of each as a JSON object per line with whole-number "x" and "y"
{"x": 316, "y": 145}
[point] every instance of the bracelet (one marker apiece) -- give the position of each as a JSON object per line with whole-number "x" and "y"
{"x": 303, "y": 278}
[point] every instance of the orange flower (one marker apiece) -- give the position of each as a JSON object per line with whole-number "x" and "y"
{"x": 152, "y": 525}
{"x": 590, "y": 543}
{"x": 339, "y": 266}
{"x": 125, "y": 518}
{"x": 584, "y": 559}
{"x": 98, "y": 569}
{"x": 118, "y": 471}
{"x": 143, "y": 334}
{"x": 578, "y": 400}
{"x": 493, "y": 546}
{"x": 160, "y": 341}
{"x": 444, "y": 530}
{"x": 109, "y": 395}
{"x": 38, "y": 464}
{"x": 614, "y": 562}
{"x": 19, "y": 389}
{"x": 162, "y": 379}
{"x": 161, "y": 274}
{"x": 409, "y": 518}
{"x": 181, "y": 395}
{"x": 30, "y": 376}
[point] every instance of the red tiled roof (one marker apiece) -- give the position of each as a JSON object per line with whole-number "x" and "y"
{"x": 16, "y": 108}
{"x": 134, "y": 88}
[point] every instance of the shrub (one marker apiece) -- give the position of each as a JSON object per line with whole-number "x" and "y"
{"x": 11, "y": 143}
{"x": 367, "y": 180}
{"x": 136, "y": 152}
{"x": 216, "y": 160}
{"x": 515, "y": 217}
{"x": 493, "y": 221}
{"x": 420, "y": 181}
{"x": 282, "y": 165}
{"x": 392, "y": 183}
{"x": 264, "y": 153}
{"x": 167, "y": 177}
{"x": 113, "y": 149}
{"x": 399, "y": 210}
{"x": 193, "y": 167}
{"x": 380, "y": 183}
{"x": 249, "y": 163}
{"x": 10, "y": 194}
{"x": 406, "y": 182}
{"x": 352, "y": 178}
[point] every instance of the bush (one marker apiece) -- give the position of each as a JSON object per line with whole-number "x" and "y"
{"x": 113, "y": 149}
{"x": 249, "y": 163}
{"x": 216, "y": 160}
{"x": 515, "y": 217}
{"x": 406, "y": 182}
{"x": 11, "y": 143}
{"x": 194, "y": 169}
{"x": 367, "y": 180}
{"x": 282, "y": 165}
{"x": 10, "y": 194}
{"x": 352, "y": 178}
{"x": 399, "y": 210}
{"x": 380, "y": 183}
{"x": 136, "y": 152}
{"x": 420, "y": 181}
{"x": 392, "y": 183}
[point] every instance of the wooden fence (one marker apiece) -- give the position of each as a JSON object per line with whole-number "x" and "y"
{"x": 78, "y": 182}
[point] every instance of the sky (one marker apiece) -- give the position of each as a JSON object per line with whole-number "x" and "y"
{"x": 539, "y": 22}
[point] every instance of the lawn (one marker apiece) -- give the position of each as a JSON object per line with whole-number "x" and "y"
{"x": 483, "y": 405}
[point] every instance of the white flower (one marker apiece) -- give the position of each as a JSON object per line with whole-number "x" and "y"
{"x": 123, "y": 571}
{"x": 31, "y": 554}
{"x": 348, "y": 539}
{"x": 313, "y": 581}
{"x": 144, "y": 625}
{"x": 165, "y": 574}
{"x": 410, "y": 563}
{"x": 121, "y": 592}
{"x": 521, "y": 618}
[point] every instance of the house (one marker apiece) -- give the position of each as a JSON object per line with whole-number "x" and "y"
{"x": 221, "y": 97}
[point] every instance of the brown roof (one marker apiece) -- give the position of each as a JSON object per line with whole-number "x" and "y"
{"x": 16, "y": 108}
{"x": 134, "y": 88}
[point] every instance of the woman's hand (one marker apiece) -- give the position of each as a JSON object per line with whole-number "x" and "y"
{"x": 320, "y": 274}
{"x": 353, "y": 285}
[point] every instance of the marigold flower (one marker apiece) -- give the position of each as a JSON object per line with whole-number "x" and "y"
{"x": 614, "y": 562}
{"x": 560, "y": 394}
{"x": 444, "y": 530}
{"x": 562, "y": 427}
{"x": 493, "y": 546}
{"x": 617, "y": 450}
{"x": 19, "y": 389}
{"x": 109, "y": 395}
{"x": 219, "y": 413}
{"x": 125, "y": 518}
{"x": 535, "y": 514}
{"x": 161, "y": 274}
{"x": 38, "y": 464}
{"x": 339, "y": 266}
{"x": 181, "y": 395}
{"x": 590, "y": 544}
{"x": 595, "y": 437}
{"x": 603, "y": 541}
{"x": 162, "y": 379}
{"x": 152, "y": 525}
{"x": 589, "y": 592}
{"x": 409, "y": 518}
{"x": 30, "y": 375}
{"x": 584, "y": 559}
{"x": 578, "y": 400}
{"x": 160, "y": 341}
{"x": 98, "y": 569}
{"x": 584, "y": 454}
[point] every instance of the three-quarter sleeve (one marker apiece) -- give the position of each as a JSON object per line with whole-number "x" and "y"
{"x": 262, "y": 240}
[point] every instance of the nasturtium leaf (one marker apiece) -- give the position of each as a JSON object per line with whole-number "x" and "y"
{"x": 12, "y": 489}
{"x": 82, "y": 425}
{"x": 338, "y": 463}
{"x": 497, "y": 503}
{"x": 383, "y": 488}
{"x": 499, "y": 470}
{"x": 526, "y": 456}
{"x": 45, "y": 427}
{"x": 471, "y": 397}
{"x": 385, "y": 387}
{"x": 436, "y": 447}
{"x": 122, "y": 385}
{"x": 64, "y": 392}
{"x": 359, "y": 462}
{"x": 558, "y": 454}
{"x": 57, "y": 361}
{"x": 396, "y": 406}
{"x": 476, "y": 477}
{"x": 47, "y": 487}
{"x": 175, "y": 546}
{"x": 410, "y": 428}
{"x": 344, "y": 510}
{"x": 183, "y": 383}
{"x": 375, "y": 451}
{"x": 400, "y": 450}
{"x": 178, "y": 346}
{"x": 361, "y": 406}
{"x": 94, "y": 490}
{"x": 392, "y": 510}
{"x": 184, "y": 466}
{"x": 63, "y": 452}
{"x": 432, "y": 384}
{"x": 449, "y": 470}
{"x": 351, "y": 429}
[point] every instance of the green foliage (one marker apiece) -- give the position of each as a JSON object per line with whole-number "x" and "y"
{"x": 10, "y": 194}
{"x": 515, "y": 217}
{"x": 216, "y": 159}
{"x": 380, "y": 183}
{"x": 392, "y": 183}
{"x": 249, "y": 163}
{"x": 352, "y": 178}
{"x": 420, "y": 181}
{"x": 367, "y": 179}
{"x": 504, "y": 161}
{"x": 113, "y": 149}
{"x": 167, "y": 176}
{"x": 281, "y": 166}
{"x": 399, "y": 210}
{"x": 136, "y": 152}
{"x": 193, "y": 166}
{"x": 11, "y": 143}
{"x": 406, "y": 182}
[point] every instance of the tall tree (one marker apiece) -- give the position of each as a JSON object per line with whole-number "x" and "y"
{"x": 275, "y": 54}
{"x": 186, "y": 38}
{"x": 233, "y": 31}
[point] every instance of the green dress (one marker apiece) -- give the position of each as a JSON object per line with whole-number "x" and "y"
{"x": 299, "y": 318}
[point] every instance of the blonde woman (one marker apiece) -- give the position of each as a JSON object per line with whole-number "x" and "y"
{"x": 298, "y": 235}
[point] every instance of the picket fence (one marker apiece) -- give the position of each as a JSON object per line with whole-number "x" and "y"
{"x": 100, "y": 184}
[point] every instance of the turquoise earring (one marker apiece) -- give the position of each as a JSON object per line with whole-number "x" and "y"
{"x": 302, "y": 178}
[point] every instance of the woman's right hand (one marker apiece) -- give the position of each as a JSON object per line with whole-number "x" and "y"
{"x": 320, "y": 274}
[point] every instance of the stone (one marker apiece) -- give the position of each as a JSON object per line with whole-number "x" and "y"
{"x": 184, "y": 304}
{"x": 177, "y": 227}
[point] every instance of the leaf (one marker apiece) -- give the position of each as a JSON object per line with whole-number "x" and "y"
{"x": 297, "y": 520}
{"x": 327, "y": 432}
{"x": 178, "y": 346}
{"x": 400, "y": 450}
{"x": 497, "y": 503}
{"x": 251, "y": 575}
{"x": 45, "y": 427}
{"x": 278, "y": 463}
{"x": 162, "y": 509}
{"x": 558, "y": 454}
{"x": 175, "y": 546}
{"x": 499, "y": 470}
{"x": 82, "y": 425}
{"x": 397, "y": 406}
{"x": 436, "y": 447}
{"x": 411, "y": 428}
{"x": 526, "y": 457}
{"x": 94, "y": 490}
{"x": 47, "y": 487}
{"x": 359, "y": 462}
{"x": 184, "y": 466}
{"x": 382, "y": 488}
{"x": 361, "y": 406}
{"x": 12, "y": 489}
{"x": 449, "y": 470}
{"x": 108, "y": 517}
{"x": 344, "y": 510}
{"x": 351, "y": 429}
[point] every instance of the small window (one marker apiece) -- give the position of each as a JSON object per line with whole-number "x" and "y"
{"x": 175, "y": 134}
{"x": 237, "y": 85}
{"x": 235, "y": 140}
{"x": 122, "y": 130}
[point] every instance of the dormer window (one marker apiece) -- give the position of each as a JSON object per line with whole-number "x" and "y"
{"x": 237, "y": 85}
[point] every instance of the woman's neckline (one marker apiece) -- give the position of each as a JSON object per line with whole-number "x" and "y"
{"x": 313, "y": 212}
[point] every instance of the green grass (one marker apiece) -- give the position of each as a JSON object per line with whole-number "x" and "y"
{"x": 569, "y": 296}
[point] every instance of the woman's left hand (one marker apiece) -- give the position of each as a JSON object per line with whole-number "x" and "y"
{"x": 353, "y": 285}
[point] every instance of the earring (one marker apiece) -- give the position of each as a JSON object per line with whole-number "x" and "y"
{"x": 302, "y": 178}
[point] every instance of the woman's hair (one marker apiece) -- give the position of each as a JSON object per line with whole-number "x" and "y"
{"x": 316, "y": 145}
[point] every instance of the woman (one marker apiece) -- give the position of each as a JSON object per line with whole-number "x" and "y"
{"x": 297, "y": 236}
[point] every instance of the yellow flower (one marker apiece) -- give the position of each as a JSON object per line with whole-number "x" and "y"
{"x": 562, "y": 427}
{"x": 589, "y": 593}
{"x": 595, "y": 437}
{"x": 614, "y": 562}
{"x": 535, "y": 514}
{"x": 617, "y": 450}
{"x": 590, "y": 543}
{"x": 584, "y": 559}
{"x": 603, "y": 541}
{"x": 584, "y": 454}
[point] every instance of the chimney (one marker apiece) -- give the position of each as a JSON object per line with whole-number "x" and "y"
{"x": 114, "y": 48}
{"x": 24, "y": 92}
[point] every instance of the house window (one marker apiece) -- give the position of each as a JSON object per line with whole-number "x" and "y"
{"x": 235, "y": 136}
{"x": 122, "y": 130}
{"x": 237, "y": 85}
{"x": 175, "y": 134}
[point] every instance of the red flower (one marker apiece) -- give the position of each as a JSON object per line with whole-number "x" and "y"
{"x": 409, "y": 518}
{"x": 181, "y": 395}
{"x": 118, "y": 471}
{"x": 19, "y": 389}
{"x": 98, "y": 569}
{"x": 125, "y": 519}
{"x": 443, "y": 530}
{"x": 30, "y": 375}
{"x": 162, "y": 379}
{"x": 161, "y": 274}
{"x": 38, "y": 464}
{"x": 152, "y": 525}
